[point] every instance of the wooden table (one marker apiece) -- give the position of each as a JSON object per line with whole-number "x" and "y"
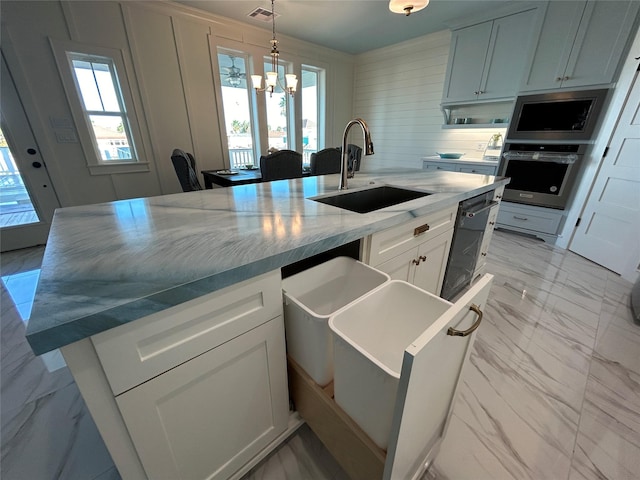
{"x": 243, "y": 177}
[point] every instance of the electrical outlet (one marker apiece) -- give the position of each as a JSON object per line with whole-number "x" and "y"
{"x": 481, "y": 146}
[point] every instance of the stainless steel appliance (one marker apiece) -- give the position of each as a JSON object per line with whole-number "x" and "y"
{"x": 565, "y": 116}
{"x": 541, "y": 174}
{"x": 471, "y": 222}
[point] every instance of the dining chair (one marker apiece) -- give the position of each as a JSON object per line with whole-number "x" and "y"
{"x": 354, "y": 153}
{"x": 325, "y": 161}
{"x": 281, "y": 165}
{"x": 185, "y": 166}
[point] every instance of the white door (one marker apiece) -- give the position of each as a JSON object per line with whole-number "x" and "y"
{"x": 27, "y": 197}
{"x": 609, "y": 232}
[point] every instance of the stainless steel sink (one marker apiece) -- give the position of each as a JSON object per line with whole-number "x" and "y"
{"x": 365, "y": 201}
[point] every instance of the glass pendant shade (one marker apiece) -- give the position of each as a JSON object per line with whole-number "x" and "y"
{"x": 292, "y": 82}
{"x": 256, "y": 81}
{"x": 272, "y": 79}
{"x": 407, "y": 6}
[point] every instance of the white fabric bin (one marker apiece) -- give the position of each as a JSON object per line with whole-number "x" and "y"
{"x": 370, "y": 337}
{"x": 310, "y": 298}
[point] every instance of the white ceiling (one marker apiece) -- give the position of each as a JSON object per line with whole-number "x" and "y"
{"x": 352, "y": 26}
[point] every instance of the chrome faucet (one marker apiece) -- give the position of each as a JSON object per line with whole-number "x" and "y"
{"x": 368, "y": 150}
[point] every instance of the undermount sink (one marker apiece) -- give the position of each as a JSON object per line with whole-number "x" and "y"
{"x": 365, "y": 201}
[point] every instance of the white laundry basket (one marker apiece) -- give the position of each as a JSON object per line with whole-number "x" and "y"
{"x": 370, "y": 337}
{"x": 310, "y": 298}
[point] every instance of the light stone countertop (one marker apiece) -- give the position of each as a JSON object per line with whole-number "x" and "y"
{"x": 112, "y": 263}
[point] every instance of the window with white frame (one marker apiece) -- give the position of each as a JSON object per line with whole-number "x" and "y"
{"x": 103, "y": 107}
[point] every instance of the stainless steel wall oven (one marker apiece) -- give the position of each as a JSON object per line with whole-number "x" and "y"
{"x": 541, "y": 174}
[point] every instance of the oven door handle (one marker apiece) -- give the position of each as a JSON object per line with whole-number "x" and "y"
{"x": 473, "y": 213}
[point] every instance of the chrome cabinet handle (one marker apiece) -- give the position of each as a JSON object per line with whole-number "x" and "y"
{"x": 463, "y": 333}
{"x": 558, "y": 79}
{"x": 520, "y": 218}
{"x": 421, "y": 258}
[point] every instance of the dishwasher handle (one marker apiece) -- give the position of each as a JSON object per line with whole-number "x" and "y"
{"x": 473, "y": 213}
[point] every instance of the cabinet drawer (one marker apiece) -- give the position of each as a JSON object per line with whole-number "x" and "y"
{"x": 542, "y": 220}
{"x": 439, "y": 166}
{"x": 135, "y": 352}
{"x": 478, "y": 169}
{"x": 396, "y": 240}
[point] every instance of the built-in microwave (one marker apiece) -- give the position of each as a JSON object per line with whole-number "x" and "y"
{"x": 565, "y": 116}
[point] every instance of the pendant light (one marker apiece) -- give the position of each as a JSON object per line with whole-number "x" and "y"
{"x": 407, "y": 6}
{"x": 272, "y": 76}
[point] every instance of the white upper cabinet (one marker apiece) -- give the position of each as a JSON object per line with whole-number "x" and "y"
{"x": 486, "y": 60}
{"x": 580, "y": 44}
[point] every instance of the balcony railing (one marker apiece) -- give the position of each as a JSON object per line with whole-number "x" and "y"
{"x": 244, "y": 156}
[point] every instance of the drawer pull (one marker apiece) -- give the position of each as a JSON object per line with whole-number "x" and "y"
{"x": 421, "y": 258}
{"x": 463, "y": 333}
{"x": 421, "y": 229}
{"x": 520, "y": 218}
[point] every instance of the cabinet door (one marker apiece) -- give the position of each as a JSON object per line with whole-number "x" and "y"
{"x": 600, "y": 41}
{"x": 432, "y": 263}
{"x": 486, "y": 238}
{"x": 506, "y": 56}
{"x": 207, "y": 417}
{"x": 467, "y": 56}
{"x": 431, "y": 370}
{"x": 551, "y": 52}
{"x": 401, "y": 267}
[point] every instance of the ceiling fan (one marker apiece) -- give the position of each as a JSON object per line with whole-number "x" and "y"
{"x": 233, "y": 73}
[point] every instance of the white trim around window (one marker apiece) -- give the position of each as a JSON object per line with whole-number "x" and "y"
{"x": 108, "y": 108}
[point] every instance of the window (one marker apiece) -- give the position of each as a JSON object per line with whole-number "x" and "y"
{"x": 310, "y": 117}
{"x": 237, "y": 109}
{"x": 278, "y": 113}
{"x": 103, "y": 107}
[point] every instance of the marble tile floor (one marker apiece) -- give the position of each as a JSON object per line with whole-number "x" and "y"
{"x": 552, "y": 390}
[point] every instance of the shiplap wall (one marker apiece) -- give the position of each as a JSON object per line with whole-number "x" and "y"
{"x": 397, "y": 91}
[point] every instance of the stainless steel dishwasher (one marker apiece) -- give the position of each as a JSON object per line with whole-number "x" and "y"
{"x": 471, "y": 223}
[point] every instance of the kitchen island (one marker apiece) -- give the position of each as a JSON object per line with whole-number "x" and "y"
{"x": 113, "y": 270}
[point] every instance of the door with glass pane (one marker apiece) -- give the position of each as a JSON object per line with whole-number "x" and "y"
{"x": 27, "y": 197}
{"x": 238, "y": 117}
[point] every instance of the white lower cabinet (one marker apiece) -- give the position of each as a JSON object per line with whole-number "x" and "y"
{"x": 486, "y": 238}
{"x": 542, "y": 222}
{"x": 209, "y": 416}
{"x": 423, "y": 266}
{"x": 416, "y": 252}
{"x": 196, "y": 391}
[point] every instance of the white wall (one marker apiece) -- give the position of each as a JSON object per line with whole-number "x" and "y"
{"x": 169, "y": 68}
{"x": 398, "y": 91}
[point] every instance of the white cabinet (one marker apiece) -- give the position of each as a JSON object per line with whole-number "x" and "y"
{"x": 208, "y": 417}
{"x": 542, "y": 222}
{"x": 580, "y": 44}
{"x": 416, "y": 251}
{"x": 464, "y": 167}
{"x": 195, "y": 391}
{"x": 423, "y": 266}
{"x": 492, "y": 221}
{"x": 485, "y": 59}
